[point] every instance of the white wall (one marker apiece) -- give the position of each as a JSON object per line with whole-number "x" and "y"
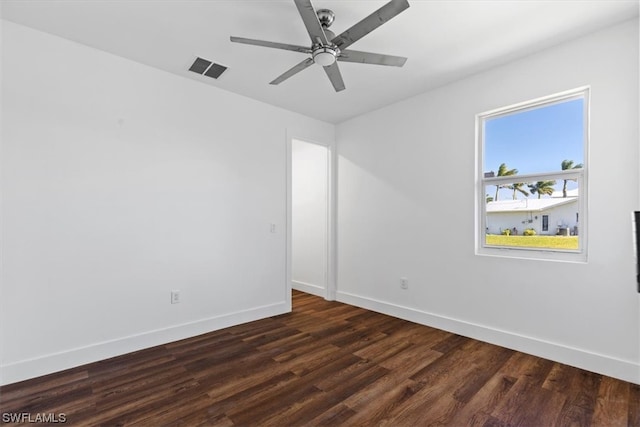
{"x": 406, "y": 209}
{"x": 309, "y": 217}
{"x": 120, "y": 183}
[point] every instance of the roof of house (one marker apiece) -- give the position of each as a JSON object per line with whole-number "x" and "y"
{"x": 528, "y": 205}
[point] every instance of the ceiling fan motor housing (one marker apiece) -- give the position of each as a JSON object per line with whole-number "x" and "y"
{"x": 326, "y": 17}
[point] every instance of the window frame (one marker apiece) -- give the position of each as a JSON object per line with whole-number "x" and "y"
{"x": 580, "y": 175}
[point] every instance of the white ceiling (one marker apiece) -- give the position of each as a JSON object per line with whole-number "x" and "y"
{"x": 444, "y": 41}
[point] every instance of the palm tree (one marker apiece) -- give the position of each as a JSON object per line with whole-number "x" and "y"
{"x": 517, "y": 186}
{"x": 503, "y": 171}
{"x": 542, "y": 187}
{"x": 566, "y": 165}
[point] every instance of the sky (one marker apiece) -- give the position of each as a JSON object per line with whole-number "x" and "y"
{"x": 535, "y": 141}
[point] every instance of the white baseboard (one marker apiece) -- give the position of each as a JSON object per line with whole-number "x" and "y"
{"x": 579, "y": 358}
{"x": 31, "y": 368}
{"x": 309, "y": 288}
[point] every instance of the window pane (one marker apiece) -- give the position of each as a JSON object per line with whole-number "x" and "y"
{"x": 539, "y": 214}
{"x": 540, "y": 140}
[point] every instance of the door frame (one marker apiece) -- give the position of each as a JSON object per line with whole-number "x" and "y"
{"x": 331, "y": 265}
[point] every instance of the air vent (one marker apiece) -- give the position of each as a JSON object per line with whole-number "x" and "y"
{"x": 207, "y": 68}
{"x": 200, "y": 65}
{"x": 215, "y": 70}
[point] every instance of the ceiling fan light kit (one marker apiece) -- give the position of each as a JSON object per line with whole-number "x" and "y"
{"x": 327, "y": 49}
{"x": 325, "y": 55}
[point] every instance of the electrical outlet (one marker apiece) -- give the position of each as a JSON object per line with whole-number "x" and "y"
{"x": 404, "y": 283}
{"x": 175, "y": 297}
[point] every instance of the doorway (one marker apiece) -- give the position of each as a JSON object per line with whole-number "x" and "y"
{"x": 310, "y": 219}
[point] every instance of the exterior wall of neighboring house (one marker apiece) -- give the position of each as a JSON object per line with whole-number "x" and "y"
{"x": 560, "y": 216}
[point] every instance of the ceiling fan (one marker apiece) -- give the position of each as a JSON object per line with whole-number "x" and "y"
{"x": 327, "y": 48}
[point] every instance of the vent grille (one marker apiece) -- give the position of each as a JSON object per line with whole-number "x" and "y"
{"x": 215, "y": 70}
{"x": 200, "y": 65}
{"x": 207, "y": 68}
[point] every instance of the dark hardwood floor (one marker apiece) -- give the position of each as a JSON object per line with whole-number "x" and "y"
{"x": 331, "y": 364}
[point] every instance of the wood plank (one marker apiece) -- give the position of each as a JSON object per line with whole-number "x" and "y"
{"x": 226, "y": 399}
{"x": 298, "y": 413}
{"x": 335, "y": 416}
{"x": 255, "y": 411}
{"x": 633, "y": 418}
{"x": 435, "y": 400}
{"x": 450, "y": 343}
{"x": 45, "y": 393}
{"x": 380, "y": 409}
{"x": 526, "y": 403}
{"x": 487, "y": 360}
{"x": 581, "y": 389}
{"x": 410, "y": 360}
{"x": 49, "y": 384}
{"x": 420, "y": 334}
{"x": 533, "y": 368}
{"x": 611, "y": 408}
{"x": 383, "y": 349}
{"x": 477, "y": 412}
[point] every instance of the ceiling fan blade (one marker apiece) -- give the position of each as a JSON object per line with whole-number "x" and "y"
{"x": 370, "y": 23}
{"x": 371, "y": 58}
{"x": 275, "y": 45}
{"x": 294, "y": 70}
{"x": 310, "y": 19}
{"x": 333, "y": 72}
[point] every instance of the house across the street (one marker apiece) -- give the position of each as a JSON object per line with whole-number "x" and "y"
{"x": 555, "y": 215}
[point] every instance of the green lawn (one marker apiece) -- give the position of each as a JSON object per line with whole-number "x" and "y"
{"x": 546, "y": 242}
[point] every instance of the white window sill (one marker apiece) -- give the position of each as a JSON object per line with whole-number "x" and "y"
{"x": 533, "y": 254}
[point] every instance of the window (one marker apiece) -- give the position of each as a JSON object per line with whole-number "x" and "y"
{"x": 532, "y": 169}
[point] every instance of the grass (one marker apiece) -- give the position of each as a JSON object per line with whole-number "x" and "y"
{"x": 544, "y": 242}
